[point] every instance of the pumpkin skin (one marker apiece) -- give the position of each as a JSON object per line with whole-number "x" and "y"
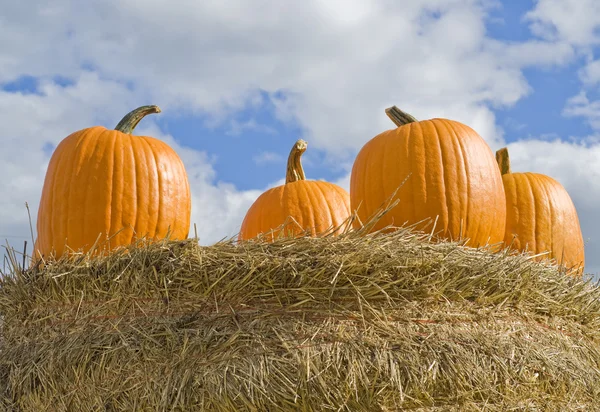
{"x": 299, "y": 206}
{"x": 541, "y": 217}
{"x": 439, "y": 169}
{"x": 104, "y": 183}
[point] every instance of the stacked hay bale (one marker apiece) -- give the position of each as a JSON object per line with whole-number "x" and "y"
{"x": 357, "y": 323}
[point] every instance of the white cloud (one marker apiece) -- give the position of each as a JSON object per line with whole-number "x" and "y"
{"x": 590, "y": 73}
{"x": 342, "y": 65}
{"x": 38, "y": 45}
{"x": 580, "y": 105}
{"x": 537, "y": 53}
{"x": 574, "y": 21}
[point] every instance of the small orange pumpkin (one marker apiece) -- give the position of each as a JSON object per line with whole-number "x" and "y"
{"x": 111, "y": 184}
{"x": 439, "y": 170}
{"x": 298, "y": 206}
{"x": 541, "y": 217}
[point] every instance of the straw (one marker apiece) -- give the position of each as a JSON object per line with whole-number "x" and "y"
{"x": 357, "y": 322}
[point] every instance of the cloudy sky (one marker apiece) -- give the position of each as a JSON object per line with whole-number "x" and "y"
{"x": 240, "y": 81}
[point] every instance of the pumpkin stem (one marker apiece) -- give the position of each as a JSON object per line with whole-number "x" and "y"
{"x": 295, "y": 172}
{"x": 503, "y": 160}
{"x": 399, "y": 117}
{"x": 131, "y": 119}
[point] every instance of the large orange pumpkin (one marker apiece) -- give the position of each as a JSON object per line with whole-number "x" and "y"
{"x": 440, "y": 170}
{"x": 541, "y": 217}
{"x": 111, "y": 185}
{"x": 298, "y": 206}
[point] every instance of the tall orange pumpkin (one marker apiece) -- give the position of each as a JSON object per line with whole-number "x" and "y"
{"x": 438, "y": 169}
{"x": 297, "y": 206}
{"x": 541, "y": 217}
{"x": 109, "y": 184}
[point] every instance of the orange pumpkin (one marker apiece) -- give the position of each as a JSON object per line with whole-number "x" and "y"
{"x": 541, "y": 217}
{"x": 111, "y": 184}
{"x": 440, "y": 170}
{"x": 298, "y": 206}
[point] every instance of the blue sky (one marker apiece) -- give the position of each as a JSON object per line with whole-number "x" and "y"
{"x": 238, "y": 85}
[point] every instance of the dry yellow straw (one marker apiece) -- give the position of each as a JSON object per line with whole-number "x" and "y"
{"x": 358, "y": 322}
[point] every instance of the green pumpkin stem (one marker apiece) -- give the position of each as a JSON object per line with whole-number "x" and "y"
{"x": 131, "y": 119}
{"x": 295, "y": 172}
{"x": 399, "y": 117}
{"x": 503, "y": 160}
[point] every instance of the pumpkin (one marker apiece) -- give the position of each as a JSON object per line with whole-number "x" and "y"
{"x": 541, "y": 217}
{"x": 111, "y": 187}
{"x": 441, "y": 172}
{"x": 299, "y": 206}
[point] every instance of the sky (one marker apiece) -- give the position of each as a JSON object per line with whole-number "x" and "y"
{"x": 239, "y": 82}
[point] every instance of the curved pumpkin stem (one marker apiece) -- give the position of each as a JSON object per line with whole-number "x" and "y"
{"x": 131, "y": 119}
{"x": 295, "y": 172}
{"x": 399, "y": 117}
{"x": 503, "y": 160}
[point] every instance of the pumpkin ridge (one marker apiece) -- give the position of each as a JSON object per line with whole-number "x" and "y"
{"x": 367, "y": 193}
{"x": 548, "y": 189}
{"x": 117, "y": 198}
{"x": 537, "y": 188}
{"x": 422, "y": 145}
{"x": 534, "y": 248}
{"x": 174, "y": 221}
{"x": 89, "y": 188}
{"x": 133, "y": 149}
{"x": 325, "y": 198}
{"x": 77, "y": 178}
{"x": 437, "y": 126}
{"x": 411, "y": 179}
{"x": 53, "y": 189}
{"x": 287, "y": 207}
{"x": 284, "y": 199}
{"x": 366, "y": 200}
{"x": 63, "y": 200}
{"x": 461, "y": 184}
{"x": 141, "y": 228}
{"x": 305, "y": 198}
{"x": 159, "y": 181}
{"x": 480, "y": 229}
{"x": 151, "y": 225}
{"x": 74, "y": 179}
{"x": 67, "y": 182}
{"x": 544, "y": 188}
{"x": 261, "y": 216}
{"x": 384, "y": 167}
{"x": 414, "y": 169}
{"x": 312, "y": 201}
{"x": 467, "y": 206}
{"x": 141, "y": 159}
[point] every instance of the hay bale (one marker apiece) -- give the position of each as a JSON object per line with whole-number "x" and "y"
{"x": 356, "y": 323}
